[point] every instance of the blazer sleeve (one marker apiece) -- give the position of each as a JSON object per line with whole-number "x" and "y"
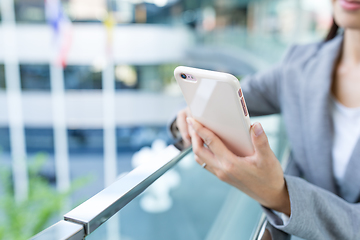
{"x": 317, "y": 213}
{"x": 262, "y": 91}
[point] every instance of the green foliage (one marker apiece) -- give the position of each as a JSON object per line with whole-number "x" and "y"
{"x": 23, "y": 220}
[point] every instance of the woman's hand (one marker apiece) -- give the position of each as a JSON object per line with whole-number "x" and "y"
{"x": 260, "y": 176}
{"x": 183, "y": 127}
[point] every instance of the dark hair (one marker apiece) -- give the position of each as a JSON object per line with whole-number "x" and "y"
{"x": 332, "y": 32}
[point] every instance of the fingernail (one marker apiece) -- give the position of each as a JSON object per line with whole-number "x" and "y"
{"x": 189, "y": 121}
{"x": 258, "y": 130}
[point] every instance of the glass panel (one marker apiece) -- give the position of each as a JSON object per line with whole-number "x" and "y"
{"x": 82, "y": 77}
{"x": 35, "y": 77}
{"x": 30, "y": 11}
{"x": 2, "y": 77}
{"x": 188, "y": 202}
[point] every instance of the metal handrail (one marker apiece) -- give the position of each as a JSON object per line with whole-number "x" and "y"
{"x": 88, "y": 216}
{"x": 260, "y": 229}
{"x": 62, "y": 230}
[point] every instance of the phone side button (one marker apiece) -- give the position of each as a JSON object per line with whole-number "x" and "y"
{"x": 244, "y": 106}
{"x": 240, "y": 93}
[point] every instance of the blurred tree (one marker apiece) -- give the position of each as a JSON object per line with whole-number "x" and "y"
{"x": 23, "y": 220}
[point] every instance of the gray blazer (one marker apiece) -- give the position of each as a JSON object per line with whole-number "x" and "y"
{"x": 300, "y": 89}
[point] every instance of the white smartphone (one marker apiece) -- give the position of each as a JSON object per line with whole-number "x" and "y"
{"x": 216, "y": 101}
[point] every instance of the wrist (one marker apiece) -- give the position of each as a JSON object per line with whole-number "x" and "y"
{"x": 283, "y": 203}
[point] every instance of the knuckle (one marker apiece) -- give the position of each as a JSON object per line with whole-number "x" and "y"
{"x": 228, "y": 167}
{"x": 222, "y": 175}
{"x": 208, "y": 140}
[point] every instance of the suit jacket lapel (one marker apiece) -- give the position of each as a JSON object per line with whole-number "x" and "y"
{"x": 316, "y": 115}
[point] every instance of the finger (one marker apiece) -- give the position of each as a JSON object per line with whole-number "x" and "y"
{"x": 207, "y": 166}
{"x": 210, "y": 139}
{"x": 202, "y": 152}
{"x": 259, "y": 139}
{"x": 183, "y": 127}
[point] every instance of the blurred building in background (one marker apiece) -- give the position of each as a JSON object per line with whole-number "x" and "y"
{"x": 115, "y": 82}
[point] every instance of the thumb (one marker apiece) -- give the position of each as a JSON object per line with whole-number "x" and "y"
{"x": 259, "y": 139}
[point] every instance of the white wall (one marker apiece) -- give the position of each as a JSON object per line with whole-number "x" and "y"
{"x": 133, "y": 44}
{"x": 84, "y": 109}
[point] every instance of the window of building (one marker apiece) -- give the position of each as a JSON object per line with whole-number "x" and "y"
{"x": 126, "y": 77}
{"x": 2, "y": 77}
{"x": 82, "y": 77}
{"x": 85, "y": 140}
{"x": 156, "y": 78}
{"x": 4, "y": 139}
{"x": 131, "y": 139}
{"x": 85, "y": 10}
{"x": 39, "y": 140}
{"x": 30, "y": 11}
{"x": 35, "y": 77}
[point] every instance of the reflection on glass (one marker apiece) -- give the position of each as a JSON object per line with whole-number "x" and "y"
{"x": 2, "y": 77}
{"x": 35, "y": 77}
{"x": 30, "y": 11}
{"x": 82, "y": 77}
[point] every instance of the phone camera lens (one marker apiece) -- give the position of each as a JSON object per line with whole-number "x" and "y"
{"x": 183, "y": 75}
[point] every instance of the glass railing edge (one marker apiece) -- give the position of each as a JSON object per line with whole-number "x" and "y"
{"x": 98, "y": 209}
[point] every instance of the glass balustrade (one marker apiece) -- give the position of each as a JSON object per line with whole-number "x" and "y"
{"x": 181, "y": 200}
{"x": 187, "y": 202}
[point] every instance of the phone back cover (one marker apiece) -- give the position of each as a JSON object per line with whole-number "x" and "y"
{"x": 214, "y": 102}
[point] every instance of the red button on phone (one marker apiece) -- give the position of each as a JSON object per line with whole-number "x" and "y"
{"x": 244, "y": 107}
{"x": 240, "y": 92}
